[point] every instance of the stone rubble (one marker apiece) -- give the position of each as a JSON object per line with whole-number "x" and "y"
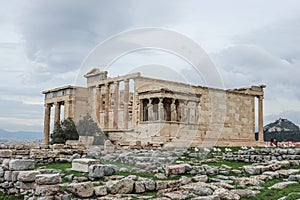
{"x": 190, "y": 180}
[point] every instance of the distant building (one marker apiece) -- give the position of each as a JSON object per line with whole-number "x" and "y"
{"x": 151, "y": 112}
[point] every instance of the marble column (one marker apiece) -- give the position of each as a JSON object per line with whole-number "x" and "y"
{"x": 47, "y": 123}
{"x": 173, "y": 111}
{"x": 97, "y": 103}
{"x": 116, "y": 105}
{"x": 126, "y": 102}
{"x": 150, "y": 110}
{"x": 57, "y": 113}
{"x": 68, "y": 109}
{"x": 260, "y": 119}
{"x": 107, "y": 105}
{"x": 161, "y": 110}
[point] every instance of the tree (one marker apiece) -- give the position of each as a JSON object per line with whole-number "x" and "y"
{"x": 64, "y": 130}
{"x": 88, "y": 127}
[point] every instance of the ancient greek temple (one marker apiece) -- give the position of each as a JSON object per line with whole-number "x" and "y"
{"x": 135, "y": 109}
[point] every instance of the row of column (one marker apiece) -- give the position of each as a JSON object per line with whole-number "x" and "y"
{"x": 167, "y": 109}
{"x": 107, "y": 105}
{"x": 47, "y": 116}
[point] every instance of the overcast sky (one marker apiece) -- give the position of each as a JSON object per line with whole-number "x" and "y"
{"x": 43, "y": 43}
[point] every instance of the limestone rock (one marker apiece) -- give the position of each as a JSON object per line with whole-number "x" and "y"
{"x": 210, "y": 197}
{"x": 202, "y": 191}
{"x": 245, "y": 192}
{"x": 295, "y": 177}
{"x": 5, "y": 153}
{"x": 82, "y": 164}
{"x": 46, "y": 190}
{"x": 123, "y": 186}
{"x": 139, "y": 187}
{"x": 226, "y": 194}
{"x": 161, "y": 185}
{"x": 100, "y": 190}
{"x": 84, "y": 189}
{"x": 200, "y": 178}
{"x": 47, "y": 179}
{"x": 109, "y": 147}
{"x": 282, "y": 185}
{"x": 254, "y": 170}
{"x": 18, "y": 164}
{"x": 27, "y": 176}
{"x": 99, "y": 171}
{"x": 177, "y": 169}
{"x": 148, "y": 183}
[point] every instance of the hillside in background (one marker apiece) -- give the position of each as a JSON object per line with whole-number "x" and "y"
{"x": 19, "y": 135}
{"x": 282, "y": 130}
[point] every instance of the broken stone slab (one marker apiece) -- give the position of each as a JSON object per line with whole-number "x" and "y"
{"x": 226, "y": 194}
{"x": 177, "y": 169}
{"x": 123, "y": 186}
{"x": 84, "y": 189}
{"x": 27, "y": 176}
{"x": 282, "y": 185}
{"x": 245, "y": 192}
{"x": 5, "y": 153}
{"x": 19, "y": 165}
{"x": 46, "y": 190}
{"x": 82, "y": 164}
{"x": 47, "y": 179}
{"x": 99, "y": 171}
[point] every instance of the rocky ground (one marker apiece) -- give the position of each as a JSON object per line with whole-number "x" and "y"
{"x": 207, "y": 173}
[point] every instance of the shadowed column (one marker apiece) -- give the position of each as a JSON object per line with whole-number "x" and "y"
{"x": 260, "y": 119}
{"x": 116, "y": 106}
{"x": 47, "y": 123}
{"x": 107, "y": 99}
{"x": 57, "y": 114}
{"x": 126, "y": 99}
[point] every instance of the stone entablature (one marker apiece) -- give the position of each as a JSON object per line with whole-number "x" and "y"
{"x": 140, "y": 109}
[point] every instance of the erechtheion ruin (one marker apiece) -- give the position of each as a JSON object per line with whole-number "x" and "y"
{"x": 135, "y": 109}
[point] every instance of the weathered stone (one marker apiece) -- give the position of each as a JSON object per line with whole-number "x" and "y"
{"x": 177, "y": 169}
{"x": 25, "y": 185}
{"x": 202, "y": 191}
{"x": 5, "y": 153}
{"x": 7, "y": 175}
{"x": 18, "y": 165}
{"x": 211, "y": 197}
{"x": 46, "y": 190}
{"x": 200, "y": 178}
{"x": 100, "y": 190}
{"x": 245, "y": 192}
{"x": 139, "y": 187}
{"x": 109, "y": 147}
{"x": 94, "y": 152}
{"x": 47, "y": 179}
{"x": 282, "y": 185}
{"x": 43, "y": 153}
{"x": 226, "y": 194}
{"x": 295, "y": 177}
{"x": 185, "y": 180}
{"x": 270, "y": 174}
{"x": 285, "y": 173}
{"x": 1, "y": 172}
{"x": 84, "y": 189}
{"x": 5, "y": 164}
{"x": 254, "y": 170}
{"x": 82, "y": 165}
{"x": 177, "y": 195}
{"x": 148, "y": 183}
{"x": 99, "y": 171}
{"x": 123, "y": 186}
{"x": 27, "y": 176}
{"x": 161, "y": 185}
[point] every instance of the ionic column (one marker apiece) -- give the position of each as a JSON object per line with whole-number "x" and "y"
{"x": 116, "y": 106}
{"x": 57, "y": 114}
{"x": 260, "y": 119}
{"x": 161, "y": 110}
{"x": 97, "y": 104}
{"x": 106, "y": 114}
{"x": 47, "y": 123}
{"x": 126, "y": 102}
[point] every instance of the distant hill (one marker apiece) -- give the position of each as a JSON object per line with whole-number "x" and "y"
{"x": 282, "y": 130}
{"x": 19, "y": 135}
